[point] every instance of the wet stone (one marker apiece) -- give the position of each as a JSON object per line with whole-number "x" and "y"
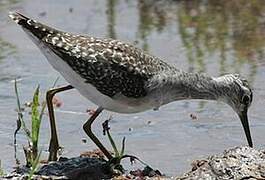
{"x": 65, "y": 166}
{"x": 237, "y": 163}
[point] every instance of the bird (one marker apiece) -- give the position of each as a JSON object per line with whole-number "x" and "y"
{"x": 119, "y": 77}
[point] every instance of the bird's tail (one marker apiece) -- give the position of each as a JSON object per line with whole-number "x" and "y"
{"x": 18, "y": 18}
{"x": 37, "y": 29}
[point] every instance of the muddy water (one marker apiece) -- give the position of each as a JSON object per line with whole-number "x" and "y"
{"x": 214, "y": 37}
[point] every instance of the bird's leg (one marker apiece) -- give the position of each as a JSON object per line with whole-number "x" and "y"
{"x": 54, "y": 145}
{"x": 87, "y": 129}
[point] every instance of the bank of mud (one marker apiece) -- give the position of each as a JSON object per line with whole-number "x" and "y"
{"x": 235, "y": 163}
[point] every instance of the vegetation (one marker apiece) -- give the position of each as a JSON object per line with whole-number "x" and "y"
{"x": 31, "y": 151}
{"x": 1, "y": 170}
{"x": 34, "y": 166}
{"x": 119, "y": 155}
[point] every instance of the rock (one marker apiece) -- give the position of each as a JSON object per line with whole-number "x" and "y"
{"x": 81, "y": 167}
{"x": 236, "y": 163}
{"x": 69, "y": 168}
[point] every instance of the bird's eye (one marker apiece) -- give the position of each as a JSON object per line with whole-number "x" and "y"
{"x": 245, "y": 99}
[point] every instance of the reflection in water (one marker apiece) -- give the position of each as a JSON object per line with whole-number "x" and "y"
{"x": 5, "y": 3}
{"x": 111, "y": 18}
{"x": 232, "y": 30}
{"x": 224, "y": 28}
{"x": 229, "y": 32}
{"x": 150, "y": 17}
{"x": 6, "y": 49}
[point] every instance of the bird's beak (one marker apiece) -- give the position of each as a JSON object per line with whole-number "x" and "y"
{"x": 244, "y": 120}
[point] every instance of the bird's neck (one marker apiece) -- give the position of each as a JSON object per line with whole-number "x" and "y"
{"x": 197, "y": 86}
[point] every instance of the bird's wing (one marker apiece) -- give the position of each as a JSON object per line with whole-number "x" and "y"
{"x": 110, "y": 65}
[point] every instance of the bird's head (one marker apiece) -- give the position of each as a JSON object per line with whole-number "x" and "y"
{"x": 238, "y": 95}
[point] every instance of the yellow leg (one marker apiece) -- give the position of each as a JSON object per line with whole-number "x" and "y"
{"x": 87, "y": 129}
{"x": 54, "y": 144}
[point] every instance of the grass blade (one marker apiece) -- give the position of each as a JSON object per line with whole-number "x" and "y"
{"x": 20, "y": 121}
{"x": 1, "y": 170}
{"x": 113, "y": 144}
{"x": 34, "y": 166}
{"x": 17, "y": 96}
{"x": 42, "y": 110}
{"x": 122, "y": 147}
{"x": 35, "y": 121}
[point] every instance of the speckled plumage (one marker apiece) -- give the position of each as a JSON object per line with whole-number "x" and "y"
{"x": 125, "y": 73}
{"x": 122, "y": 78}
{"x": 111, "y": 66}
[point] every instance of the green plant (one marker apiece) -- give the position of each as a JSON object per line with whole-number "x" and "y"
{"x": 1, "y": 170}
{"x": 34, "y": 166}
{"x": 118, "y": 155}
{"x": 114, "y": 163}
{"x": 31, "y": 151}
{"x": 36, "y": 117}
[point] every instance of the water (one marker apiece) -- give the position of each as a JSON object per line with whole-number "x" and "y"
{"x": 215, "y": 37}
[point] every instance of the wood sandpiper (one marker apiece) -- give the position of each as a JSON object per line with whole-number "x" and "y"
{"x": 122, "y": 78}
